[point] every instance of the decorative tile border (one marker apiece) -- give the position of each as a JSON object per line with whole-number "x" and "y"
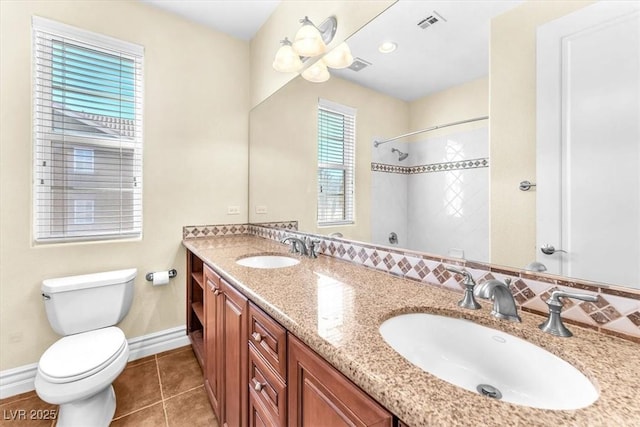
{"x": 199, "y": 231}
{"x": 430, "y": 168}
{"x": 617, "y": 311}
{"x": 383, "y": 167}
{"x": 287, "y": 225}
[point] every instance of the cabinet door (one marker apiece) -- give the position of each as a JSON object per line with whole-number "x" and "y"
{"x": 317, "y": 391}
{"x": 213, "y": 343}
{"x": 234, "y": 357}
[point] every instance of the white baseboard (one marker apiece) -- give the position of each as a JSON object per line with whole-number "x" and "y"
{"x": 158, "y": 342}
{"x": 21, "y": 379}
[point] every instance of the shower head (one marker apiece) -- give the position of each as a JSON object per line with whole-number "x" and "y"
{"x": 401, "y": 155}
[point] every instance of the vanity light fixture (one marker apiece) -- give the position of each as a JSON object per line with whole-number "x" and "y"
{"x": 287, "y": 60}
{"x": 310, "y": 42}
{"x": 387, "y": 47}
{"x": 317, "y": 73}
{"x": 339, "y": 57}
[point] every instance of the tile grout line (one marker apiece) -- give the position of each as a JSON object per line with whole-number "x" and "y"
{"x": 164, "y": 407}
{"x": 135, "y": 412}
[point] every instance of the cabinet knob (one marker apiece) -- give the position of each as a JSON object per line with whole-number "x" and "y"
{"x": 257, "y": 337}
{"x": 216, "y": 292}
{"x": 258, "y": 387}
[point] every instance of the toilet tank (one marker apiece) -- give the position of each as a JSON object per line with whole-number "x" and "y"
{"x": 77, "y": 304}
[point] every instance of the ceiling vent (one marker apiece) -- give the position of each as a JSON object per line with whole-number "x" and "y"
{"x": 359, "y": 64}
{"x": 430, "y": 20}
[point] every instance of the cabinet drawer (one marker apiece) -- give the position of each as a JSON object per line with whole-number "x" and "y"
{"x": 267, "y": 388}
{"x": 258, "y": 414}
{"x": 269, "y": 338}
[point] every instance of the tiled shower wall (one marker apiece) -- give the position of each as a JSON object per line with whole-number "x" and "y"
{"x": 617, "y": 311}
{"x": 444, "y": 184}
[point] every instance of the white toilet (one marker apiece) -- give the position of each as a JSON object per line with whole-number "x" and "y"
{"x": 76, "y": 372}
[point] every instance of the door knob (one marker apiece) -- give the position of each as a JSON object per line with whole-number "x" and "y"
{"x": 550, "y": 250}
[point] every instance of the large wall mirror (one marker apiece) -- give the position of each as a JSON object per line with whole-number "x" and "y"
{"x": 459, "y": 189}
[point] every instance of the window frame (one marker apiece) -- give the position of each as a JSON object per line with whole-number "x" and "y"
{"x": 46, "y": 136}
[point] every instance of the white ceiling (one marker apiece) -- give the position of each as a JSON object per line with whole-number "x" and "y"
{"x": 238, "y": 18}
{"x": 429, "y": 60}
{"x": 448, "y": 53}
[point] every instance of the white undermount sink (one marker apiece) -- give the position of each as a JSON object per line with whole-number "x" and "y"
{"x": 267, "y": 261}
{"x": 488, "y": 361}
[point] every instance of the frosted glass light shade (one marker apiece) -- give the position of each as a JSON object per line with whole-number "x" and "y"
{"x": 317, "y": 73}
{"x": 339, "y": 57}
{"x": 308, "y": 41}
{"x": 286, "y": 60}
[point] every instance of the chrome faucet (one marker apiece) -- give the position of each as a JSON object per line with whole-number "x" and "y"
{"x": 553, "y": 325}
{"x": 468, "y": 301}
{"x": 504, "y": 305}
{"x": 306, "y": 247}
{"x": 297, "y": 245}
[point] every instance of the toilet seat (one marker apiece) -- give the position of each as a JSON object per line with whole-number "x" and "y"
{"x": 78, "y": 356}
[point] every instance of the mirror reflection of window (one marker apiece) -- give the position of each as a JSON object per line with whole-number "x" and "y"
{"x": 335, "y": 304}
{"x": 336, "y": 163}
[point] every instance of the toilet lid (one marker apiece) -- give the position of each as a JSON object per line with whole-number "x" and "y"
{"x": 77, "y": 356}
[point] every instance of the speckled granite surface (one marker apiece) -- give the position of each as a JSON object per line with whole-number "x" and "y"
{"x": 336, "y": 308}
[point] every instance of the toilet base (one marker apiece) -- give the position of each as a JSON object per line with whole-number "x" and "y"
{"x": 95, "y": 411}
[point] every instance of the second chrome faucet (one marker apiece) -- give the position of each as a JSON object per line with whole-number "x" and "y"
{"x": 298, "y": 246}
{"x": 504, "y": 305}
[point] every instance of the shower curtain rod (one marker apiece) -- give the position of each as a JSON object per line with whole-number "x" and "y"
{"x": 376, "y": 143}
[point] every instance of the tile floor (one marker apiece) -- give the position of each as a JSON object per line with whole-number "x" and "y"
{"x": 163, "y": 390}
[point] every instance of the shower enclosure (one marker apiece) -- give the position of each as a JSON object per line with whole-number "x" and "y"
{"x": 433, "y": 193}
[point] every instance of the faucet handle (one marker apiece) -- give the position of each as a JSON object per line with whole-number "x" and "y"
{"x": 312, "y": 244}
{"x": 556, "y": 295}
{"x": 468, "y": 278}
{"x": 468, "y": 300}
{"x": 553, "y": 325}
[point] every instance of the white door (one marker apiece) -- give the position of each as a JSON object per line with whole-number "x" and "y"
{"x": 588, "y": 143}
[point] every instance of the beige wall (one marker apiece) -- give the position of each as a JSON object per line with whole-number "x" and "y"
{"x": 284, "y": 22}
{"x": 513, "y": 127}
{"x": 195, "y": 163}
{"x": 283, "y": 150}
{"x": 466, "y": 101}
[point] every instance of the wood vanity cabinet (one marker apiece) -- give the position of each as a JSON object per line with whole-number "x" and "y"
{"x": 317, "y": 391}
{"x": 225, "y": 342}
{"x": 257, "y": 373}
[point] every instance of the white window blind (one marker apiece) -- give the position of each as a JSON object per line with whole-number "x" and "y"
{"x": 87, "y": 103}
{"x": 336, "y": 163}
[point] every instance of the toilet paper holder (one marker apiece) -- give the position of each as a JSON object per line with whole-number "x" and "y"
{"x": 172, "y": 273}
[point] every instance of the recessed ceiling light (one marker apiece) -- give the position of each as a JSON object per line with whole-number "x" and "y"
{"x": 387, "y": 47}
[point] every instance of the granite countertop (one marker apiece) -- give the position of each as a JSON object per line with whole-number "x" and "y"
{"x": 336, "y": 308}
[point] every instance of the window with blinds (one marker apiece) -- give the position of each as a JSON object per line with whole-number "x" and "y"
{"x": 336, "y": 163}
{"x": 87, "y": 103}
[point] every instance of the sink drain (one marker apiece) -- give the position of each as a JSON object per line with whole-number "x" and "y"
{"x": 489, "y": 391}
